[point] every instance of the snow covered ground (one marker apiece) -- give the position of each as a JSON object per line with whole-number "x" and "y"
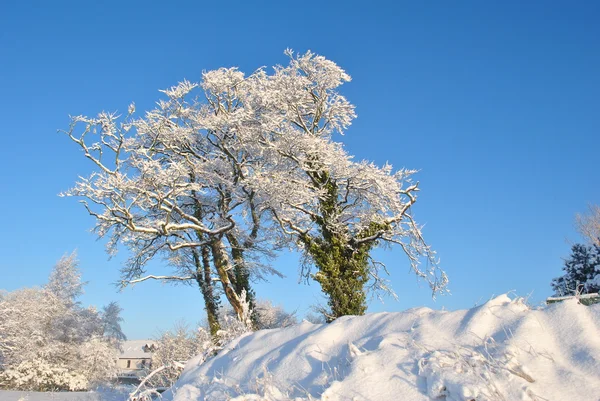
{"x": 501, "y": 350}
{"x": 62, "y": 396}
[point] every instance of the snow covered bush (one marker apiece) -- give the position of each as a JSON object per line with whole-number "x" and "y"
{"x": 48, "y": 341}
{"x": 582, "y": 272}
{"x": 265, "y": 315}
{"x": 26, "y": 318}
{"x": 470, "y": 374}
{"x": 173, "y": 349}
{"x": 41, "y": 375}
{"x": 269, "y": 316}
{"x": 177, "y": 346}
{"x": 97, "y": 359}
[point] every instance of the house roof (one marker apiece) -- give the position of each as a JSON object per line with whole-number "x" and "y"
{"x": 136, "y": 349}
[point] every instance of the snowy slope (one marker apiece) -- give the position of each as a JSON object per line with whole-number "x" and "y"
{"x": 501, "y": 350}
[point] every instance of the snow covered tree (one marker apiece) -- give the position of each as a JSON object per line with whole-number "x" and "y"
{"x": 48, "y": 341}
{"x": 174, "y": 182}
{"x": 582, "y": 271}
{"x": 338, "y": 210}
{"x": 27, "y": 318}
{"x": 97, "y": 360}
{"x": 248, "y": 165}
{"x": 65, "y": 279}
{"x": 111, "y": 322}
{"x": 75, "y": 324}
{"x": 37, "y": 353}
{"x": 588, "y": 224}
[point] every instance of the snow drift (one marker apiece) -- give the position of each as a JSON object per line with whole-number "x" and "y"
{"x": 502, "y": 350}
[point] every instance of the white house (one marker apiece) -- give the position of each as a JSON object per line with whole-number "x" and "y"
{"x": 135, "y": 359}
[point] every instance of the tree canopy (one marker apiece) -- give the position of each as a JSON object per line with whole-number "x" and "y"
{"x": 224, "y": 172}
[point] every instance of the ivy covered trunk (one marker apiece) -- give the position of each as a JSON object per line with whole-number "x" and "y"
{"x": 204, "y": 275}
{"x": 204, "y": 280}
{"x": 342, "y": 260}
{"x": 342, "y": 273}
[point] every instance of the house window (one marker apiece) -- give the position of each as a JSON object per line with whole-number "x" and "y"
{"x": 128, "y": 363}
{"x": 143, "y": 363}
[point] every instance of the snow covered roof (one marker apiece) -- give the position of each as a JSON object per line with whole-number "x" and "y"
{"x": 137, "y": 349}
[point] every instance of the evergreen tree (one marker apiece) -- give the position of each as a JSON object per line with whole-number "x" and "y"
{"x": 582, "y": 271}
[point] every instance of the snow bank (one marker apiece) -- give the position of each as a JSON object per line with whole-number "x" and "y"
{"x": 501, "y": 350}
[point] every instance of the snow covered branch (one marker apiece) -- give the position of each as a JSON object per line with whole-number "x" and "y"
{"x": 153, "y": 277}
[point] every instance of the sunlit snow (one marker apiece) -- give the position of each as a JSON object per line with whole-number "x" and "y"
{"x": 502, "y": 350}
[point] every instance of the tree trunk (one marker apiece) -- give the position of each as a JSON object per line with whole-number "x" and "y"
{"x": 342, "y": 274}
{"x": 241, "y": 276}
{"x": 342, "y": 264}
{"x": 204, "y": 280}
{"x": 223, "y": 266}
{"x": 203, "y": 274}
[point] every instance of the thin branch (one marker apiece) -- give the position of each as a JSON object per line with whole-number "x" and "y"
{"x": 125, "y": 283}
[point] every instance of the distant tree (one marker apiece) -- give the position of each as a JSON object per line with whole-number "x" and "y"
{"x": 65, "y": 283}
{"x": 36, "y": 354}
{"x": 266, "y": 315}
{"x": 97, "y": 360}
{"x": 315, "y": 318}
{"x": 582, "y": 271}
{"x": 48, "y": 341}
{"x": 27, "y": 319}
{"x": 111, "y": 322}
{"x": 65, "y": 279}
{"x": 174, "y": 348}
{"x": 271, "y": 316}
{"x": 588, "y": 224}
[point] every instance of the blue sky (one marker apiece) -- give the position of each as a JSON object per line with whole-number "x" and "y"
{"x": 496, "y": 103}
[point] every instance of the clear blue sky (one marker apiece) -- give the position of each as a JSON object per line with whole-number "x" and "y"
{"x": 497, "y": 103}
